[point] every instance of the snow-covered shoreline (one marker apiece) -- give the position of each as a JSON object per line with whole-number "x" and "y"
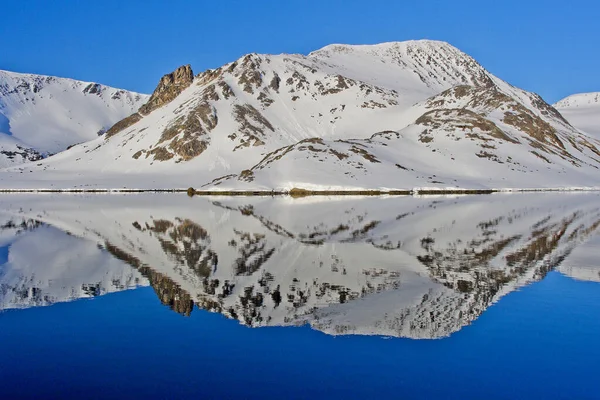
{"x": 302, "y": 192}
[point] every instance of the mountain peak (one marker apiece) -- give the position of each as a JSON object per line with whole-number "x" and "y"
{"x": 582, "y": 110}
{"x": 436, "y": 64}
{"x": 422, "y": 43}
{"x": 42, "y": 114}
{"x": 579, "y": 100}
{"x": 364, "y": 117}
{"x": 169, "y": 87}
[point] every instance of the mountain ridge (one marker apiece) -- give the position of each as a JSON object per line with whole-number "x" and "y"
{"x": 583, "y": 110}
{"x": 43, "y": 114}
{"x": 226, "y": 120}
{"x": 578, "y": 100}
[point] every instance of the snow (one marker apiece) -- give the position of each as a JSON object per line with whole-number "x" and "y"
{"x": 14, "y": 152}
{"x": 49, "y": 114}
{"x": 582, "y": 111}
{"x": 363, "y": 104}
{"x": 344, "y": 265}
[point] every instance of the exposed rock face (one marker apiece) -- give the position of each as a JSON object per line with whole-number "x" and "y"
{"x": 169, "y": 87}
{"x": 183, "y": 137}
{"x": 538, "y": 123}
{"x": 21, "y": 153}
{"x": 123, "y": 124}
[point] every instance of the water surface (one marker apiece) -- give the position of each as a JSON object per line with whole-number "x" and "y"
{"x": 167, "y": 296}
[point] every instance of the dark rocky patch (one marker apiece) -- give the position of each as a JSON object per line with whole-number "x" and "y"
{"x": 169, "y": 87}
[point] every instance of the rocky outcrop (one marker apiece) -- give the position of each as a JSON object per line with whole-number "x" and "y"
{"x": 169, "y": 87}
{"x": 123, "y": 124}
{"x": 22, "y": 154}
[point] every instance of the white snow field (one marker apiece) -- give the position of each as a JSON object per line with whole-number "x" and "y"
{"x": 45, "y": 115}
{"x": 419, "y": 267}
{"x": 582, "y": 111}
{"x": 393, "y": 116}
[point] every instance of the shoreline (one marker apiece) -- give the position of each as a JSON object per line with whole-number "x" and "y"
{"x": 297, "y": 193}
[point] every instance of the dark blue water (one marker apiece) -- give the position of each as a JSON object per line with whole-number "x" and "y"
{"x": 539, "y": 342}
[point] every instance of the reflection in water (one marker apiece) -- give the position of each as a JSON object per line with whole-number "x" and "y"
{"x": 44, "y": 265}
{"x": 583, "y": 262}
{"x": 410, "y": 267}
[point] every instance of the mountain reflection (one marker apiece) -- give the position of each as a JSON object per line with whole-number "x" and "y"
{"x": 44, "y": 265}
{"x": 399, "y": 266}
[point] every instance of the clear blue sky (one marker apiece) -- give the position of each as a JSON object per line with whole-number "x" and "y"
{"x": 550, "y": 47}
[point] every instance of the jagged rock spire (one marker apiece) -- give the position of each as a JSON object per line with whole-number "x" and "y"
{"x": 169, "y": 87}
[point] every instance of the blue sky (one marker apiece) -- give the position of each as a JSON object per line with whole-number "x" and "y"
{"x": 549, "y": 47}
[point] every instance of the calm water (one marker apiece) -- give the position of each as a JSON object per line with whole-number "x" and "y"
{"x": 165, "y": 296}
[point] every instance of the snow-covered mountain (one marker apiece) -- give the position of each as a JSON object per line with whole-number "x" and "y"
{"x": 44, "y": 114}
{"x": 390, "y": 116}
{"x": 411, "y": 267}
{"x": 582, "y": 111}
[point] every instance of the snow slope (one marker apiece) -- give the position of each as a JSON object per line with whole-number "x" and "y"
{"x": 47, "y": 114}
{"x": 582, "y": 111}
{"x": 398, "y": 115}
{"x": 14, "y": 151}
{"x": 411, "y": 267}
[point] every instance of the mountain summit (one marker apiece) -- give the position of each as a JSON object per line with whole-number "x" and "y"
{"x": 583, "y": 111}
{"x": 398, "y": 115}
{"x": 45, "y": 114}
